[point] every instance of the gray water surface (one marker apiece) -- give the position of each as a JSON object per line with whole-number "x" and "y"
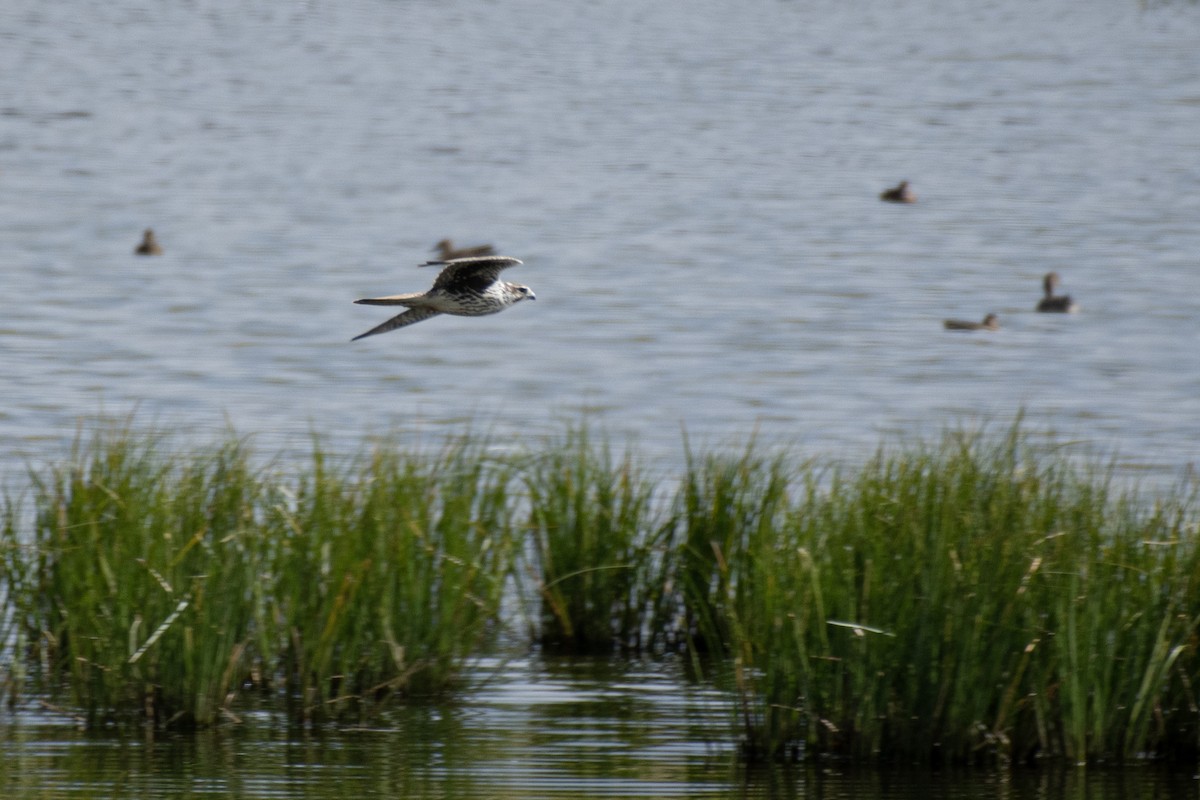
{"x": 539, "y": 728}
{"x": 693, "y": 190}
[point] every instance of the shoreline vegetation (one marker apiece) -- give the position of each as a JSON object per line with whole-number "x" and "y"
{"x": 975, "y": 600}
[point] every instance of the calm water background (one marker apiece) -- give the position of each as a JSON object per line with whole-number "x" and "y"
{"x": 693, "y": 189}
{"x": 539, "y": 729}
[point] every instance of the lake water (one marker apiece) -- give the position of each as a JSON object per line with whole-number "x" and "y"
{"x": 694, "y": 191}
{"x": 540, "y": 728}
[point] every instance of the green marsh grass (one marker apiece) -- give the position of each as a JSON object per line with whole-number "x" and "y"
{"x": 974, "y": 600}
{"x": 161, "y": 586}
{"x": 140, "y": 571}
{"x": 15, "y": 594}
{"x": 387, "y": 575}
{"x": 596, "y": 558}
{"x": 967, "y": 604}
{"x": 728, "y": 509}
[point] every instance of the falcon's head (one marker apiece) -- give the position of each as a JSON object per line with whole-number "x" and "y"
{"x": 520, "y": 292}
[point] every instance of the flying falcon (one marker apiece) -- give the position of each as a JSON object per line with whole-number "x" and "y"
{"x": 467, "y": 287}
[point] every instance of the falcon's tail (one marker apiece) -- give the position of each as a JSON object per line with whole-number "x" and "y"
{"x": 392, "y": 300}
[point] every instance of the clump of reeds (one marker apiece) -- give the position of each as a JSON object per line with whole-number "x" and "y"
{"x": 160, "y": 586}
{"x": 970, "y": 601}
{"x": 15, "y": 593}
{"x": 596, "y": 556}
{"x": 971, "y": 604}
{"x": 386, "y": 575}
{"x": 728, "y": 512}
{"x": 133, "y": 585}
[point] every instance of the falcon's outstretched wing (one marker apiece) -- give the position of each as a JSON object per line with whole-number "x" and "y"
{"x": 402, "y": 319}
{"x": 470, "y": 274}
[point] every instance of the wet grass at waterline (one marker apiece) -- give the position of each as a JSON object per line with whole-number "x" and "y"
{"x": 167, "y": 586}
{"x": 971, "y": 600}
{"x": 596, "y": 558}
{"x": 969, "y": 604}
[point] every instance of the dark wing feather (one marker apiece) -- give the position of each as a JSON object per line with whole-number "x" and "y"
{"x": 472, "y": 275}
